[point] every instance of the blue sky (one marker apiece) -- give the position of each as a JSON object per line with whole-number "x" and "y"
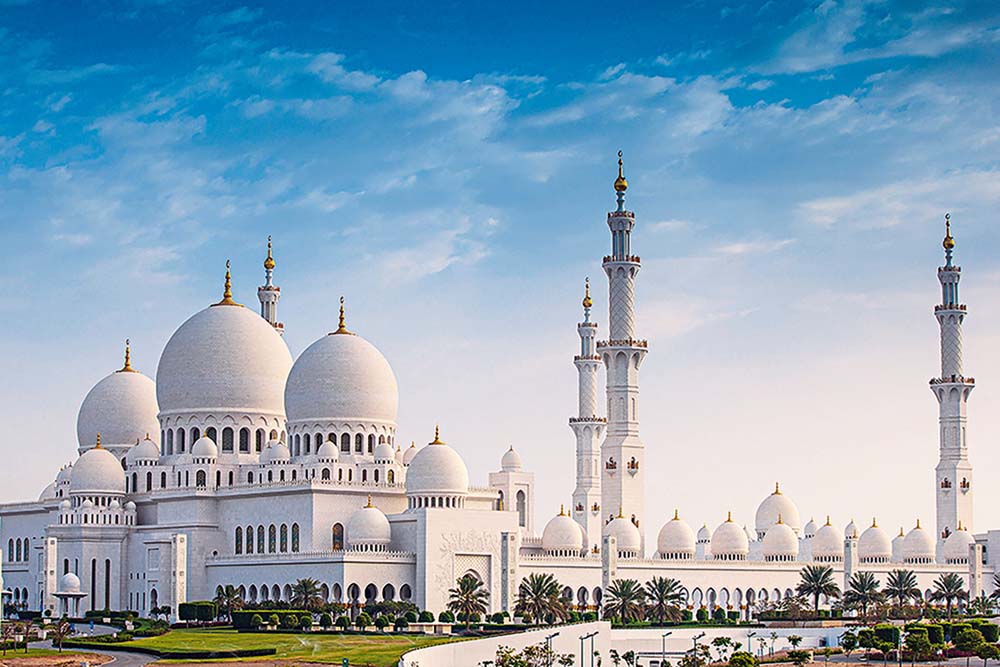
{"x": 447, "y": 168}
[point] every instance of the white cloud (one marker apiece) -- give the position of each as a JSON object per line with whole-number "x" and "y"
{"x": 612, "y": 71}
{"x": 738, "y": 248}
{"x": 328, "y": 67}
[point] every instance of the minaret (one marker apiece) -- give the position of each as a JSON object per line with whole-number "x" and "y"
{"x": 954, "y": 472}
{"x": 589, "y": 430}
{"x": 622, "y": 451}
{"x": 269, "y": 293}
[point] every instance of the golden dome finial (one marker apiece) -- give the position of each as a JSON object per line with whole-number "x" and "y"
{"x": 587, "y": 302}
{"x": 227, "y": 293}
{"x": 874, "y": 523}
{"x": 437, "y": 435}
{"x": 828, "y": 520}
{"x": 729, "y": 517}
{"x": 562, "y": 510}
{"x": 127, "y": 368}
{"x": 949, "y": 242}
{"x": 779, "y": 519}
{"x": 342, "y": 328}
{"x": 676, "y": 515}
{"x": 269, "y": 262}
{"x": 369, "y": 501}
{"x": 777, "y": 489}
{"x": 918, "y": 523}
{"x": 621, "y": 185}
{"x": 620, "y": 515}
{"x": 98, "y": 445}
{"x": 901, "y": 534}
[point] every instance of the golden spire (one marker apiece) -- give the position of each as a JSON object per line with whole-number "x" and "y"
{"x": 621, "y": 185}
{"x": 562, "y": 510}
{"x": 901, "y": 531}
{"x": 779, "y": 519}
{"x": 918, "y": 523}
{"x": 949, "y": 242}
{"x": 587, "y": 303}
{"x": 342, "y": 328}
{"x": 369, "y": 501}
{"x": 227, "y": 294}
{"x": 729, "y": 517}
{"x": 676, "y": 515}
{"x": 828, "y": 520}
{"x": 269, "y": 262}
{"x": 874, "y": 523}
{"x": 98, "y": 445}
{"x": 620, "y": 515}
{"x": 127, "y": 368}
{"x": 412, "y": 444}
{"x": 777, "y": 489}
{"x": 437, "y": 435}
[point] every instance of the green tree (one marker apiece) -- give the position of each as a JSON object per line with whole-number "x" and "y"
{"x": 849, "y": 643}
{"x": 306, "y": 594}
{"x": 863, "y": 591}
{"x": 699, "y": 656}
{"x": 343, "y": 622}
{"x": 988, "y": 652}
{"x": 362, "y": 621}
{"x": 60, "y": 630}
{"x": 901, "y": 587}
{"x": 742, "y": 659}
{"x": 918, "y": 645}
{"x": 722, "y": 647}
{"x": 625, "y": 599}
{"x": 228, "y": 600}
{"x": 982, "y": 605}
{"x": 539, "y": 597}
{"x": 794, "y": 640}
{"x": 817, "y": 581}
{"x": 950, "y": 588}
{"x": 799, "y": 658}
{"x": 968, "y": 641}
{"x": 664, "y": 597}
{"x": 468, "y": 597}
{"x": 325, "y": 620}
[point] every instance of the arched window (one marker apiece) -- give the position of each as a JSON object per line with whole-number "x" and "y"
{"x": 405, "y": 593}
{"x": 199, "y": 479}
{"x": 212, "y": 434}
{"x": 522, "y": 509}
{"x": 149, "y": 481}
{"x": 163, "y": 480}
{"x": 391, "y": 477}
{"x": 245, "y": 440}
{"x": 230, "y": 478}
{"x": 170, "y": 440}
{"x": 260, "y": 539}
{"x": 359, "y": 443}
{"x": 294, "y": 474}
{"x": 283, "y": 547}
{"x": 381, "y": 439}
{"x": 272, "y": 539}
{"x": 338, "y": 537}
{"x": 371, "y": 443}
{"x": 340, "y": 474}
{"x": 376, "y": 476}
{"x": 295, "y": 538}
{"x": 273, "y": 435}
{"x": 249, "y": 539}
{"x": 258, "y": 442}
{"x": 195, "y": 434}
{"x": 135, "y": 483}
{"x": 239, "y": 540}
{"x": 281, "y": 475}
{"x": 218, "y": 478}
{"x": 345, "y": 442}
{"x": 325, "y": 474}
{"x": 306, "y": 442}
{"x": 227, "y": 439}
{"x": 17, "y": 551}
{"x": 364, "y": 475}
{"x": 270, "y": 476}
{"x": 250, "y": 477}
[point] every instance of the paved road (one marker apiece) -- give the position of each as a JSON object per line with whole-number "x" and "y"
{"x": 119, "y": 658}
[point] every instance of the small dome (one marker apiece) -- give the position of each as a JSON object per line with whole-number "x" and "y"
{"x": 437, "y": 469}
{"x": 275, "y": 452}
{"x": 368, "y": 527}
{"x": 775, "y": 505}
{"x": 780, "y": 542}
{"x": 69, "y": 583}
{"x": 64, "y": 505}
{"x": 918, "y": 546}
{"x": 851, "y": 530}
{"x": 145, "y": 451}
{"x": 48, "y": 493}
{"x": 408, "y": 455}
{"x": 626, "y": 533}
{"x": 874, "y": 545}
{"x": 87, "y": 504}
{"x": 897, "y": 546}
{"x": 204, "y": 448}
{"x": 956, "y": 547}
{"x": 65, "y": 475}
{"x": 398, "y": 455}
{"x": 704, "y": 535}
{"x": 385, "y": 452}
{"x": 130, "y": 506}
{"x": 121, "y": 407}
{"x": 327, "y": 451}
{"x": 810, "y": 529}
{"x": 562, "y": 534}
{"x": 676, "y": 539}
{"x": 511, "y": 461}
{"x": 97, "y": 471}
{"x": 826, "y": 543}
{"x": 114, "y": 504}
{"x": 729, "y": 542}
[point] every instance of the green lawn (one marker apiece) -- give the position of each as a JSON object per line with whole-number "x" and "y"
{"x": 40, "y": 652}
{"x": 379, "y": 650}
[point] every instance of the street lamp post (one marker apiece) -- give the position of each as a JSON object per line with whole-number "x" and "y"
{"x": 548, "y": 646}
{"x": 663, "y": 648}
{"x": 750, "y": 635}
{"x": 584, "y": 638}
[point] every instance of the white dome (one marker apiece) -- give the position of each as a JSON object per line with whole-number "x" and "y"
{"x": 562, "y": 534}
{"x": 437, "y": 469}
{"x": 223, "y": 359}
{"x": 626, "y": 533}
{"x": 121, "y": 407}
{"x": 897, "y": 546}
{"x": 511, "y": 461}
{"x": 810, "y": 529}
{"x": 114, "y": 504}
{"x": 775, "y": 506}
{"x": 65, "y": 475}
{"x": 408, "y": 455}
{"x": 64, "y": 505}
{"x": 385, "y": 452}
{"x": 204, "y": 448}
{"x": 144, "y": 451}
{"x": 956, "y": 546}
{"x": 703, "y": 534}
{"x": 874, "y": 545}
{"x": 398, "y": 455}
{"x": 729, "y": 541}
{"x": 918, "y": 546}
{"x": 675, "y": 538}
{"x": 826, "y": 543}
{"x": 130, "y": 506}
{"x": 341, "y": 377}
{"x": 69, "y": 583}
{"x": 97, "y": 471}
{"x": 851, "y": 530}
{"x": 48, "y": 493}
{"x": 368, "y": 527}
{"x": 780, "y": 542}
{"x": 327, "y": 451}
{"x": 275, "y": 452}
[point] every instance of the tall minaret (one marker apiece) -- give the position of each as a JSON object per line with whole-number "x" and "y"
{"x": 954, "y": 472}
{"x": 589, "y": 430}
{"x": 622, "y": 451}
{"x": 269, "y": 293}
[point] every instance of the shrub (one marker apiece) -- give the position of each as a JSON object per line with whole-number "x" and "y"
{"x": 325, "y": 620}
{"x": 274, "y": 620}
{"x": 686, "y": 615}
{"x": 719, "y": 614}
{"x": 256, "y": 621}
{"x": 887, "y": 633}
{"x": 733, "y": 616}
{"x": 363, "y": 621}
{"x": 204, "y": 610}
{"x": 401, "y": 623}
{"x": 243, "y": 619}
{"x": 935, "y": 633}
{"x": 991, "y": 633}
{"x": 411, "y": 617}
{"x": 382, "y": 622}
{"x": 306, "y": 622}
{"x": 426, "y": 617}
{"x": 589, "y": 616}
{"x": 702, "y": 615}
{"x": 343, "y": 622}
{"x": 742, "y": 659}
{"x": 446, "y": 617}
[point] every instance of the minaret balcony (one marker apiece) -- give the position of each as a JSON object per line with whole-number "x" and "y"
{"x": 587, "y": 420}
{"x": 587, "y": 357}
{"x": 621, "y": 214}
{"x": 622, "y": 342}
{"x": 954, "y": 379}
{"x": 956, "y": 269}
{"x": 589, "y": 325}
{"x": 950, "y": 306}
{"x": 625, "y": 259}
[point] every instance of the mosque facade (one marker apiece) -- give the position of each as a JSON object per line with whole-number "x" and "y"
{"x": 241, "y": 466}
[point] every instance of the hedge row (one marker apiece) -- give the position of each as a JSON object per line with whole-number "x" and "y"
{"x": 244, "y": 619}
{"x": 204, "y": 610}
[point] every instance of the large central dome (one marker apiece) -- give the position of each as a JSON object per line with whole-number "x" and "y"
{"x": 225, "y": 358}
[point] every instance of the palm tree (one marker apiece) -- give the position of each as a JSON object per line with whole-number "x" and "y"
{"x": 901, "y": 587}
{"x": 950, "y": 588}
{"x": 306, "y": 594}
{"x": 862, "y": 592}
{"x": 818, "y": 580}
{"x": 625, "y": 599}
{"x": 228, "y": 600}
{"x": 467, "y": 598}
{"x": 664, "y": 597}
{"x": 539, "y": 597}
